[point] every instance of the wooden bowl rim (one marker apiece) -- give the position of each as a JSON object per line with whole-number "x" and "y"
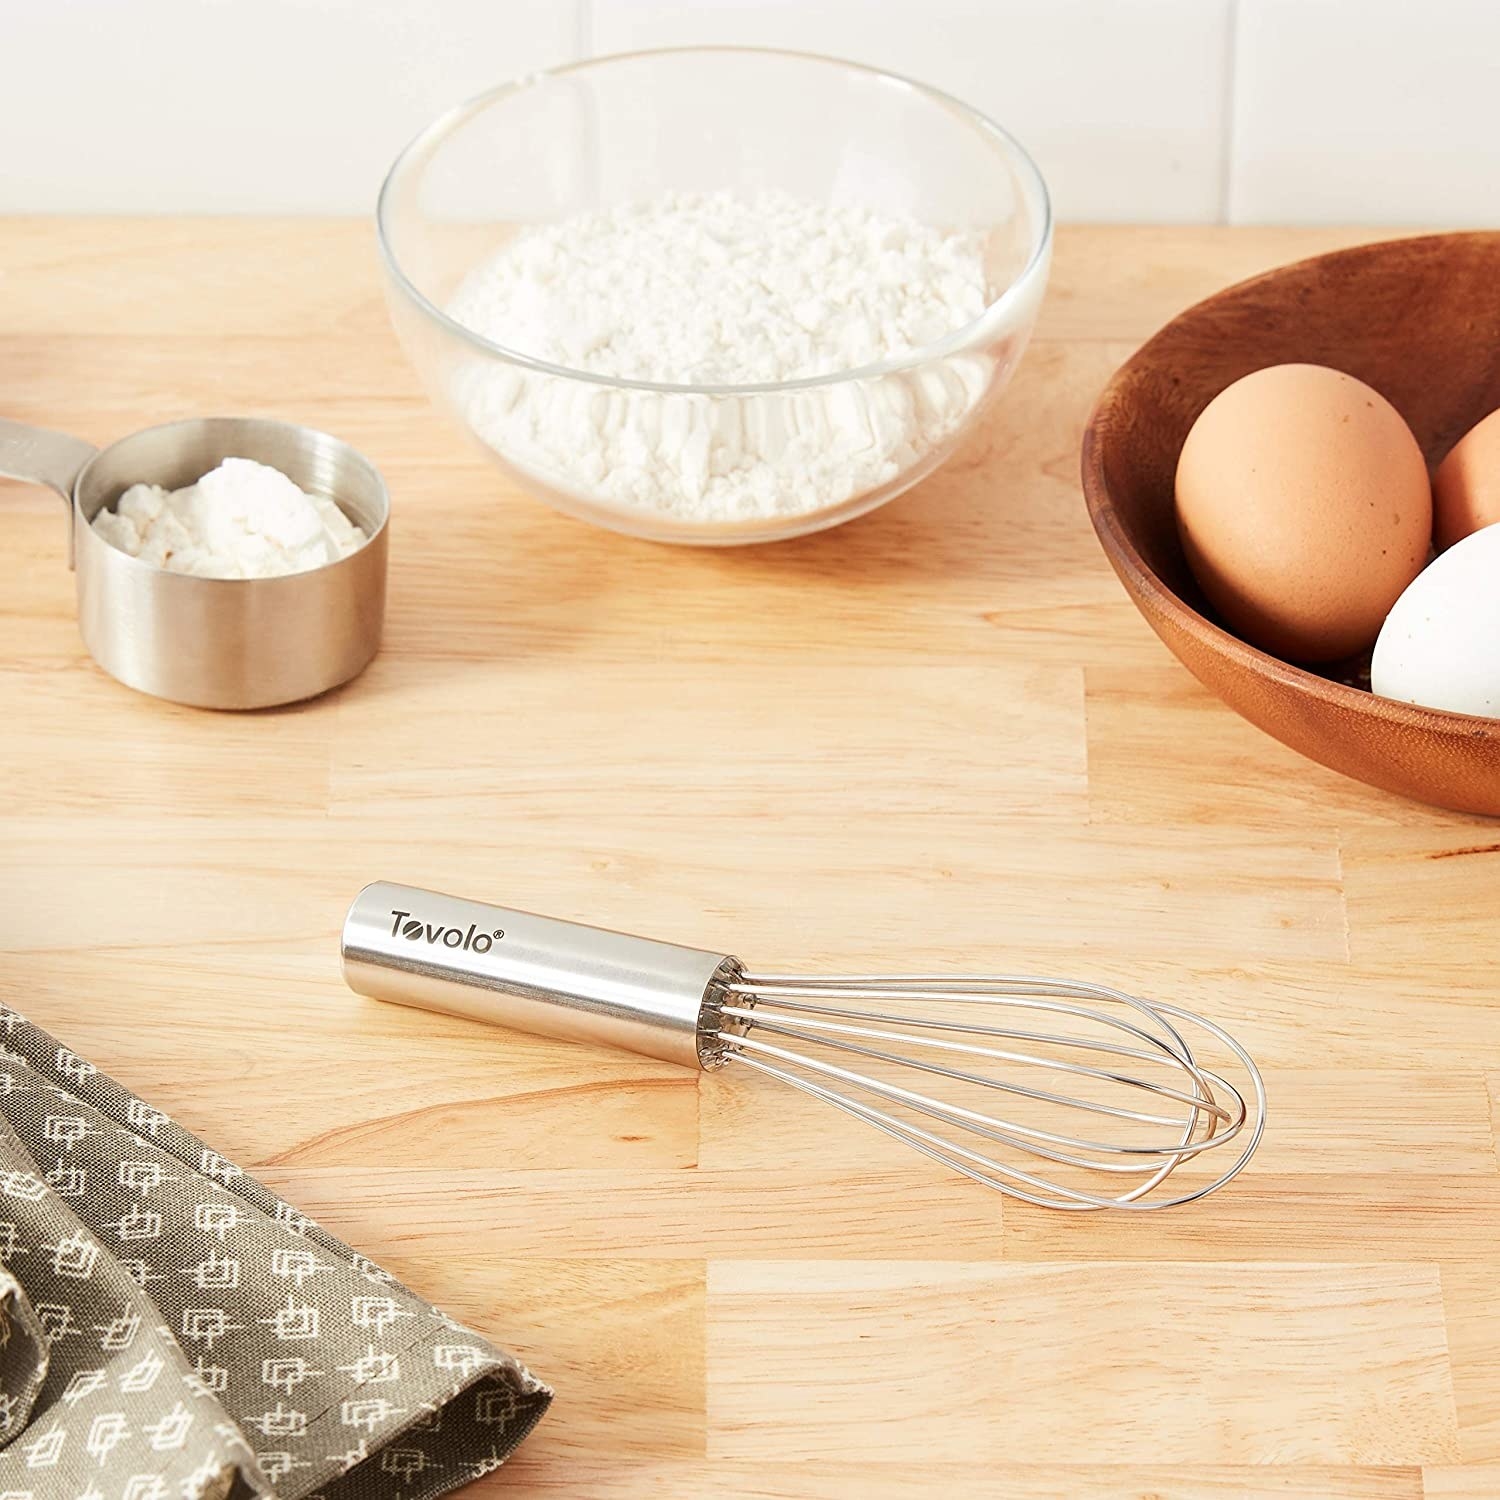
{"x": 1146, "y": 586}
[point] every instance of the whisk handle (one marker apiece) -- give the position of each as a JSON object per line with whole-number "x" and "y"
{"x": 535, "y": 974}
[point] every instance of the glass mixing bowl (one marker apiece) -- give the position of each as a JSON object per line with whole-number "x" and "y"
{"x": 619, "y": 130}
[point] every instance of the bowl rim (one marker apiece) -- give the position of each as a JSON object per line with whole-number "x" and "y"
{"x": 1147, "y": 588}
{"x": 960, "y": 340}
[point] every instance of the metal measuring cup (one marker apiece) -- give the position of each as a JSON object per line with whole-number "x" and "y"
{"x": 215, "y": 642}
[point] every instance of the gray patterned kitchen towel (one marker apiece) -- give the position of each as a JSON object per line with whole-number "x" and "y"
{"x": 171, "y": 1330}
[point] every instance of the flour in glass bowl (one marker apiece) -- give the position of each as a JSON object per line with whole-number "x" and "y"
{"x": 721, "y": 290}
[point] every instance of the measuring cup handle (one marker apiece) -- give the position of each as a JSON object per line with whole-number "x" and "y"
{"x": 52, "y": 458}
{"x": 42, "y": 456}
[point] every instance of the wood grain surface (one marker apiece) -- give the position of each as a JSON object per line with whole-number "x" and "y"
{"x": 940, "y": 737}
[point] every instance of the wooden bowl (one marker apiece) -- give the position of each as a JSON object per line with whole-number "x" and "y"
{"x": 1418, "y": 319}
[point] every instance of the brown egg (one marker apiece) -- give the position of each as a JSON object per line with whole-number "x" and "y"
{"x": 1466, "y": 487}
{"x": 1304, "y": 510}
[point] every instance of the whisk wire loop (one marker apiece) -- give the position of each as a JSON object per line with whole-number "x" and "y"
{"x": 812, "y": 1029}
{"x": 1039, "y": 1142}
{"x": 981, "y": 1169}
{"x": 832, "y": 1018}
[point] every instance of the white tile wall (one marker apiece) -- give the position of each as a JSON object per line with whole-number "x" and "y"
{"x": 1376, "y": 112}
{"x": 254, "y": 106}
{"x": 1122, "y": 102}
{"x": 1381, "y": 111}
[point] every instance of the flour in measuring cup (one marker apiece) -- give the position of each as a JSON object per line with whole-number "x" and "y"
{"x": 242, "y": 520}
{"x": 716, "y": 289}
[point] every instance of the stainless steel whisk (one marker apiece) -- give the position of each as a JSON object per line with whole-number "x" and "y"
{"x": 1050, "y": 1054}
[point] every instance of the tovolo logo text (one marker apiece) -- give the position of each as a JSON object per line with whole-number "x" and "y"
{"x": 403, "y": 924}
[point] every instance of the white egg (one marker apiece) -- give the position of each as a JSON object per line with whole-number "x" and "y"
{"x": 1440, "y": 644}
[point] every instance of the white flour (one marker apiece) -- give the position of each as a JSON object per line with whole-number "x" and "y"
{"x": 720, "y": 290}
{"x": 243, "y": 520}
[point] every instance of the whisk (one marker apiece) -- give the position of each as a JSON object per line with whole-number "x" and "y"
{"x": 1009, "y": 1080}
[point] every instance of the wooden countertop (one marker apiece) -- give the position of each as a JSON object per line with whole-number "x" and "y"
{"x": 938, "y": 737}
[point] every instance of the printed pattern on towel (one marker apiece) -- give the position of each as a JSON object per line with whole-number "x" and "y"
{"x": 204, "y": 1340}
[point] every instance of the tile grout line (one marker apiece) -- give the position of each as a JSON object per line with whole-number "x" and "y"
{"x": 583, "y": 30}
{"x": 1230, "y": 94}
